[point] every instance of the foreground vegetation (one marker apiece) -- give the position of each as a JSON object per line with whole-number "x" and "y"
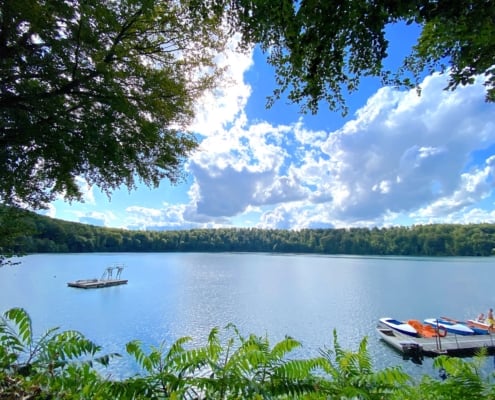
{"x": 66, "y": 365}
{"x": 39, "y": 234}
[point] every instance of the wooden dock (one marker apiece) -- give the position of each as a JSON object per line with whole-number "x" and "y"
{"x": 106, "y": 280}
{"x": 96, "y": 283}
{"x": 451, "y": 344}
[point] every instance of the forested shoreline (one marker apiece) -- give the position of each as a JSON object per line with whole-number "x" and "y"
{"x": 48, "y": 235}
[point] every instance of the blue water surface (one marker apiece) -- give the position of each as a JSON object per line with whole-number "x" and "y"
{"x": 171, "y": 295}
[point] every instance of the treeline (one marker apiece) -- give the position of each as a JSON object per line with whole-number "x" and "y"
{"x": 45, "y": 234}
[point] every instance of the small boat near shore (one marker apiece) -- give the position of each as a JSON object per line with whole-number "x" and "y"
{"x": 476, "y": 324}
{"x": 400, "y": 326}
{"x": 427, "y": 331}
{"x": 478, "y": 327}
{"x": 106, "y": 280}
{"x": 450, "y": 326}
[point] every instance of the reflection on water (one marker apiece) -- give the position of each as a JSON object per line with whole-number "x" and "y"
{"x": 173, "y": 295}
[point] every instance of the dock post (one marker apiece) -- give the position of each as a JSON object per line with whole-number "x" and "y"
{"x": 438, "y": 342}
{"x": 438, "y": 339}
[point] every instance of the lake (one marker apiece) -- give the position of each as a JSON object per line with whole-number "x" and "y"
{"x": 171, "y": 295}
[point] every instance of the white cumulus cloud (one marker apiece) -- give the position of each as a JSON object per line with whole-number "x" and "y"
{"x": 401, "y": 155}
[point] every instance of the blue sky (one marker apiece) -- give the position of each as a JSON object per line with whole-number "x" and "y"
{"x": 396, "y": 159}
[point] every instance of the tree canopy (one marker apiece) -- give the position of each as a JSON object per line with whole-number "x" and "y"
{"x": 103, "y": 91}
{"x": 321, "y": 49}
{"x": 99, "y": 90}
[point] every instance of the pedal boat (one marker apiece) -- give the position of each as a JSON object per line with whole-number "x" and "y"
{"x": 450, "y": 326}
{"x": 399, "y": 326}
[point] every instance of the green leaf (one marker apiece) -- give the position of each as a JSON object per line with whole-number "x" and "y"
{"x": 22, "y": 320}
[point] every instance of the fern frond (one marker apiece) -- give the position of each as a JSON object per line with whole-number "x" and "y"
{"x": 284, "y": 347}
{"x": 336, "y": 345}
{"x": 177, "y": 347}
{"x": 299, "y": 369}
{"x": 134, "y": 348}
{"x": 22, "y": 320}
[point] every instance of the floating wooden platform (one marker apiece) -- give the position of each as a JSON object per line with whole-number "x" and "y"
{"x": 106, "y": 280}
{"x": 96, "y": 283}
{"x": 452, "y": 344}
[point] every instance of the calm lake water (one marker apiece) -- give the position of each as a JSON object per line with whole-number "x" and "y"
{"x": 187, "y": 294}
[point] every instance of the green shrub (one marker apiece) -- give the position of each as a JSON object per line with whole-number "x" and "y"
{"x": 62, "y": 365}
